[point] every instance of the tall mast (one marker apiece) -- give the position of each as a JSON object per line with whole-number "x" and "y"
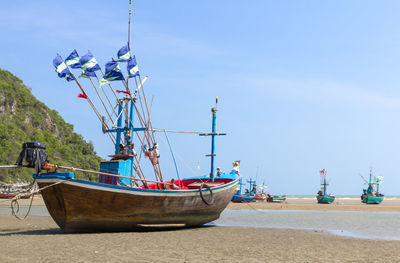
{"x": 214, "y": 117}
{"x": 129, "y": 24}
{"x": 251, "y": 183}
{"x": 213, "y": 134}
{"x": 370, "y": 177}
{"x": 129, "y": 40}
{"x": 323, "y": 180}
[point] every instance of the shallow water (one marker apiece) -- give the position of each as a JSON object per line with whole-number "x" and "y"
{"x": 373, "y": 225}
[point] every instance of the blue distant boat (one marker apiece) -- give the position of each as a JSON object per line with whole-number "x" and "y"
{"x": 238, "y": 197}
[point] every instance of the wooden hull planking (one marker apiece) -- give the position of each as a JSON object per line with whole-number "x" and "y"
{"x": 75, "y": 205}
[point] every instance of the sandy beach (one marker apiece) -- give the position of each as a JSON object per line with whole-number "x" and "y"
{"x": 38, "y": 239}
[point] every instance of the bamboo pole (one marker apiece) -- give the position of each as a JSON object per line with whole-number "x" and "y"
{"x": 129, "y": 38}
{"x": 149, "y": 121}
{"x": 93, "y": 107}
{"x": 107, "y": 174}
{"x": 100, "y": 99}
{"x": 137, "y": 134}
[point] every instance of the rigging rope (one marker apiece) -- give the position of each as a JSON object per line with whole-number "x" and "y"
{"x": 173, "y": 157}
{"x": 181, "y": 158}
{"x": 15, "y": 204}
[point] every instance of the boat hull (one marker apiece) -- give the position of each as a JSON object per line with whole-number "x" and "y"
{"x": 370, "y": 199}
{"x": 260, "y": 198}
{"x": 237, "y": 198}
{"x": 86, "y": 206}
{"x": 7, "y": 196}
{"x": 325, "y": 199}
{"x": 276, "y": 198}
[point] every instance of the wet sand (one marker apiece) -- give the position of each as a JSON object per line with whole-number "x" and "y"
{"x": 38, "y": 239}
{"x": 340, "y": 204}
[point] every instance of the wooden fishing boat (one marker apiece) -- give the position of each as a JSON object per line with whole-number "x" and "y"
{"x": 83, "y": 205}
{"x": 123, "y": 198}
{"x": 276, "y": 198}
{"x": 325, "y": 199}
{"x": 118, "y": 203}
{"x": 260, "y": 197}
{"x": 322, "y": 196}
{"x": 240, "y": 197}
{"x": 11, "y": 190}
{"x": 260, "y": 192}
{"x": 370, "y": 195}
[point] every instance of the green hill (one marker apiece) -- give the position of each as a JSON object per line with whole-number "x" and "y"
{"x": 23, "y": 118}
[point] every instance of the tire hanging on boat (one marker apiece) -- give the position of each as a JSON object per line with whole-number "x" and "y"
{"x": 203, "y": 185}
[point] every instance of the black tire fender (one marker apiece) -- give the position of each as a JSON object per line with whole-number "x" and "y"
{"x": 211, "y": 201}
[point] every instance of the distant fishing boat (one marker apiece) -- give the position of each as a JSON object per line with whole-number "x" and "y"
{"x": 322, "y": 196}
{"x": 122, "y": 198}
{"x": 240, "y": 197}
{"x": 7, "y": 195}
{"x": 261, "y": 195}
{"x": 11, "y": 190}
{"x": 370, "y": 195}
{"x": 276, "y": 198}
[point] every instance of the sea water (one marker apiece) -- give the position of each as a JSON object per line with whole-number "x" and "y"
{"x": 359, "y": 224}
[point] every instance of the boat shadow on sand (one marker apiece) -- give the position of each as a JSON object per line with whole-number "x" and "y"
{"x": 58, "y": 231}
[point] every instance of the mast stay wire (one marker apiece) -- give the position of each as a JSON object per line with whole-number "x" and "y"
{"x": 179, "y": 156}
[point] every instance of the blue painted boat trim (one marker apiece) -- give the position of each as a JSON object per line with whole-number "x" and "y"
{"x": 65, "y": 176}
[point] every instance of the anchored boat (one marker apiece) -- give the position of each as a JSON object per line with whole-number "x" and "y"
{"x": 370, "y": 195}
{"x": 261, "y": 195}
{"x": 276, "y": 198}
{"x": 123, "y": 198}
{"x": 322, "y": 196}
{"x": 240, "y": 197}
{"x": 11, "y": 190}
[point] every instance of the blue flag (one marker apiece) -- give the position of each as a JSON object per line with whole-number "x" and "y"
{"x": 87, "y": 74}
{"x": 133, "y": 69}
{"x": 124, "y": 54}
{"x": 73, "y": 60}
{"x": 113, "y": 71}
{"x": 62, "y": 68}
{"x": 89, "y": 63}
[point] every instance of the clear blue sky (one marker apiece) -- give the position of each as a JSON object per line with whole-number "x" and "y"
{"x": 303, "y": 85}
